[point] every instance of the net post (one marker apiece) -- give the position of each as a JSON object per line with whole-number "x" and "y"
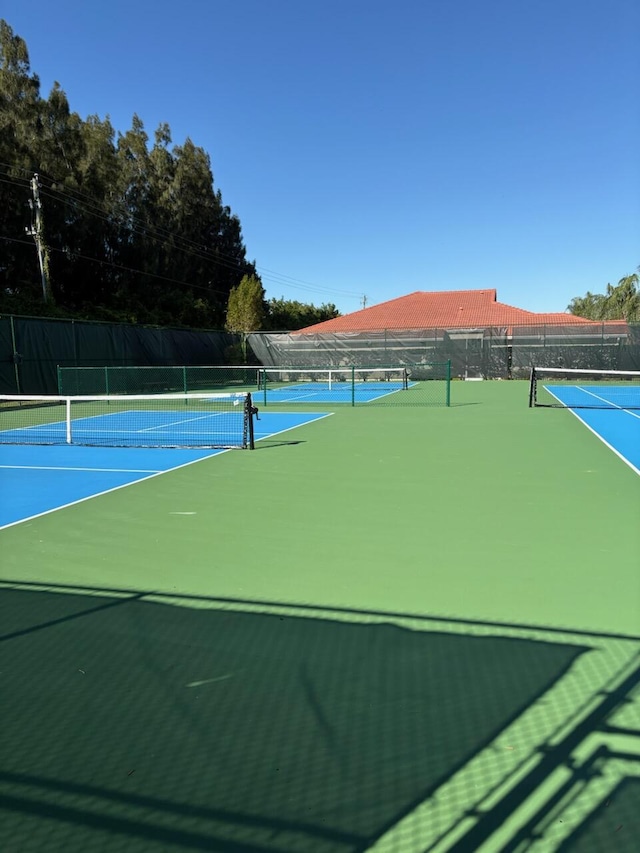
{"x": 184, "y": 379}
{"x": 106, "y": 380}
{"x": 353, "y": 385}
{"x": 250, "y": 438}
{"x": 68, "y": 419}
{"x": 532, "y": 387}
{"x": 59, "y": 376}
{"x": 448, "y": 387}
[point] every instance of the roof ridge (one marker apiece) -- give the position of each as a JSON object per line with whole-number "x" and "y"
{"x": 477, "y": 307}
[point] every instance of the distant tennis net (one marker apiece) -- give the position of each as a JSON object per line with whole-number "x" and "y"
{"x": 408, "y": 385}
{"x": 413, "y": 385}
{"x": 558, "y": 387}
{"x": 332, "y": 378}
{"x": 142, "y": 420}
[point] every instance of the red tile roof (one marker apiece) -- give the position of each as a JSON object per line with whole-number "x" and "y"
{"x": 447, "y": 309}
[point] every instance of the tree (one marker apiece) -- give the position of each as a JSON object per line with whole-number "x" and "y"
{"x": 136, "y": 232}
{"x": 620, "y": 302}
{"x": 589, "y": 306}
{"x": 19, "y": 117}
{"x": 245, "y": 309}
{"x": 289, "y": 314}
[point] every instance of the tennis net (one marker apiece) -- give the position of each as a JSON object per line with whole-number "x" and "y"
{"x": 141, "y": 420}
{"x": 584, "y": 389}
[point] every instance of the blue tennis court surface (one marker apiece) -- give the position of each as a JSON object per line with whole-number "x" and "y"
{"x": 598, "y": 396}
{"x": 616, "y": 426}
{"x": 36, "y": 479}
{"x": 326, "y": 392}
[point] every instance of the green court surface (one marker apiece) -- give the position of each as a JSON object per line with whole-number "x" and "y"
{"x": 392, "y": 630}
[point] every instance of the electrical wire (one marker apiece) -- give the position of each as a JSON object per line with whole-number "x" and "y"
{"x": 179, "y": 243}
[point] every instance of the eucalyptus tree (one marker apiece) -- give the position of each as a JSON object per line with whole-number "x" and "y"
{"x": 19, "y": 118}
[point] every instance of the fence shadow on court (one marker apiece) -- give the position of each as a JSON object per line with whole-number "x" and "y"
{"x": 147, "y": 722}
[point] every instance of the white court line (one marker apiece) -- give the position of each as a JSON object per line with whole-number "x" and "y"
{"x": 596, "y": 433}
{"x": 184, "y": 421}
{"x": 605, "y": 442}
{"x": 290, "y": 398}
{"x": 318, "y": 396}
{"x": 107, "y": 491}
{"x": 386, "y": 394}
{"x": 152, "y": 475}
{"x": 604, "y": 400}
{"x": 73, "y": 468}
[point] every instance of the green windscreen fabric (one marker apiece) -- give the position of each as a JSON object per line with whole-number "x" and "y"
{"x": 42, "y": 345}
{"x": 8, "y": 367}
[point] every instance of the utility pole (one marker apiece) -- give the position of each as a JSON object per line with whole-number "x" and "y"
{"x": 36, "y": 231}
{"x": 364, "y": 300}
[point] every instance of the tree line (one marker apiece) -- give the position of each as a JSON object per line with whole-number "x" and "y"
{"x": 618, "y": 302}
{"x": 129, "y": 229}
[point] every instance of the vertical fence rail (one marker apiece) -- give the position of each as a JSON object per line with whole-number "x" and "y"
{"x": 16, "y": 355}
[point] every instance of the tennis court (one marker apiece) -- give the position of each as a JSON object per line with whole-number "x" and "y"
{"x": 427, "y": 384}
{"x": 610, "y": 408}
{"x": 325, "y": 392}
{"x": 37, "y": 479}
{"x": 391, "y": 629}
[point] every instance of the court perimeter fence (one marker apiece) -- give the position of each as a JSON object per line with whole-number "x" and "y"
{"x": 33, "y": 348}
{"x": 426, "y": 384}
{"x": 474, "y": 353}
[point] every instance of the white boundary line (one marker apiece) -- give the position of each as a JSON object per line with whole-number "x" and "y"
{"x": 386, "y": 394}
{"x": 108, "y": 491}
{"x": 604, "y": 400}
{"x": 311, "y": 396}
{"x": 596, "y": 433}
{"x": 210, "y": 454}
{"x": 606, "y": 443}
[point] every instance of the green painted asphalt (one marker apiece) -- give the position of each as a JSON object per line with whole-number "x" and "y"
{"x": 391, "y": 630}
{"x": 486, "y": 510}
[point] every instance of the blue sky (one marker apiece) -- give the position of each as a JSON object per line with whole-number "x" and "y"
{"x": 375, "y": 148}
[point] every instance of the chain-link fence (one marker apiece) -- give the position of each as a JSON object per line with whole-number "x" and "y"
{"x": 483, "y": 352}
{"x": 162, "y": 379}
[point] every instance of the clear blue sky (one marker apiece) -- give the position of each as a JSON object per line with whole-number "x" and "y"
{"x": 376, "y": 148}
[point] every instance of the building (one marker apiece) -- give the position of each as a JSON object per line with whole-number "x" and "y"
{"x": 446, "y": 309}
{"x": 481, "y": 337}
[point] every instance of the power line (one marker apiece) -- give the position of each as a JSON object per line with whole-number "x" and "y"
{"x": 180, "y": 243}
{"x": 141, "y": 230}
{"x": 104, "y": 262}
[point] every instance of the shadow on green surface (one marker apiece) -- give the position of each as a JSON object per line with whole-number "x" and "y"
{"x": 146, "y": 726}
{"x": 613, "y": 825}
{"x": 264, "y": 443}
